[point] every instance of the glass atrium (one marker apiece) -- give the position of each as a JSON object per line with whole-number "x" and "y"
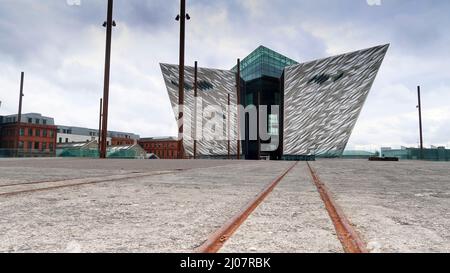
{"x": 263, "y": 62}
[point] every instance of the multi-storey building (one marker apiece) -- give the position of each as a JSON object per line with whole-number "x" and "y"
{"x": 33, "y": 135}
{"x": 164, "y": 148}
{"x": 293, "y": 110}
{"x": 71, "y": 134}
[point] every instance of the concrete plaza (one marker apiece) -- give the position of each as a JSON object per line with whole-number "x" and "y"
{"x": 173, "y": 206}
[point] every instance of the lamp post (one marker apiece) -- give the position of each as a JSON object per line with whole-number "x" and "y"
{"x": 182, "y": 19}
{"x": 109, "y": 24}
{"x": 229, "y": 127}
{"x": 238, "y": 91}
{"x": 419, "y": 106}
{"x": 100, "y": 126}
{"x": 19, "y": 115}
{"x": 195, "y": 107}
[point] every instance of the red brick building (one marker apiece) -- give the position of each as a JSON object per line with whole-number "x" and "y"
{"x": 34, "y": 136}
{"x": 120, "y": 141}
{"x": 164, "y": 148}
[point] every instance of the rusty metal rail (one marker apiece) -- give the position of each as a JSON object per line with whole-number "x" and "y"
{"x": 347, "y": 234}
{"x": 216, "y": 240}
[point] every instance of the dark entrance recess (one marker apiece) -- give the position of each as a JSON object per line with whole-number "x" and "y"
{"x": 262, "y": 84}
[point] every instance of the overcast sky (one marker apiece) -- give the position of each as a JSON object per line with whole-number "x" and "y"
{"x": 60, "y": 46}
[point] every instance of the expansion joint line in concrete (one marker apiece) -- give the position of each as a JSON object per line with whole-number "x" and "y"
{"x": 347, "y": 234}
{"x": 78, "y": 182}
{"x": 218, "y": 239}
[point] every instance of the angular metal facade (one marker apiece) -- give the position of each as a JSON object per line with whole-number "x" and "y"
{"x": 214, "y": 85}
{"x": 323, "y": 99}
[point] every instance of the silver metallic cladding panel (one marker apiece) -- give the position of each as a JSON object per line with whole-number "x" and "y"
{"x": 215, "y": 87}
{"x": 323, "y": 100}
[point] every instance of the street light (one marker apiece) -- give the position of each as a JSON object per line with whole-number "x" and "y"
{"x": 109, "y": 24}
{"x": 419, "y": 107}
{"x": 19, "y": 116}
{"x": 182, "y": 19}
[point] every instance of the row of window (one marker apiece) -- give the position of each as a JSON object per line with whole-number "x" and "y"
{"x": 91, "y": 133}
{"x": 159, "y": 146}
{"x": 37, "y": 132}
{"x": 30, "y": 120}
{"x": 38, "y": 146}
{"x": 37, "y": 121}
{"x": 29, "y": 132}
{"x": 120, "y": 143}
{"x": 165, "y": 154}
{"x": 60, "y": 140}
{"x": 65, "y": 131}
{"x": 66, "y": 140}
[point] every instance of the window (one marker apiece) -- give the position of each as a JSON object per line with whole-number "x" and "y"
{"x": 273, "y": 125}
{"x": 44, "y": 133}
{"x": 249, "y": 99}
{"x": 38, "y": 132}
{"x": 60, "y": 140}
{"x": 44, "y": 121}
{"x": 67, "y": 140}
{"x": 30, "y": 145}
{"x": 30, "y": 120}
{"x": 30, "y": 132}
{"x": 50, "y": 146}
{"x": 22, "y": 131}
{"x": 36, "y": 145}
{"x": 52, "y": 133}
{"x": 44, "y": 146}
{"x": 38, "y": 121}
{"x": 21, "y": 144}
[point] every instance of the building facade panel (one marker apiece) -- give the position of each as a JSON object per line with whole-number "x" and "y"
{"x": 323, "y": 100}
{"x": 214, "y": 86}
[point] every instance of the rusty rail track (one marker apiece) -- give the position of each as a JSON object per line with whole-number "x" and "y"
{"x": 216, "y": 240}
{"x": 347, "y": 234}
{"x": 18, "y": 189}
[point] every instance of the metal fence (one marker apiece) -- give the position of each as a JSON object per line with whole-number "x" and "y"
{"x": 94, "y": 153}
{"x": 83, "y": 153}
{"x": 8, "y": 153}
{"x": 418, "y": 154}
{"x": 70, "y": 153}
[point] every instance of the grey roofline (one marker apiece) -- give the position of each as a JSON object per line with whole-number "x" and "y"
{"x": 158, "y": 139}
{"x": 187, "y": 66}
{"x": 96, "y": 130}
{"x": 337, "y": 55}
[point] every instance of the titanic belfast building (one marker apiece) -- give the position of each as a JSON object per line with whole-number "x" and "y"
{"x": 310, "y": 108}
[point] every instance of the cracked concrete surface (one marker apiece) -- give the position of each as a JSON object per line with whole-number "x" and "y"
{"x": 396, "y": 207}
{"x": 168, "y": 213}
